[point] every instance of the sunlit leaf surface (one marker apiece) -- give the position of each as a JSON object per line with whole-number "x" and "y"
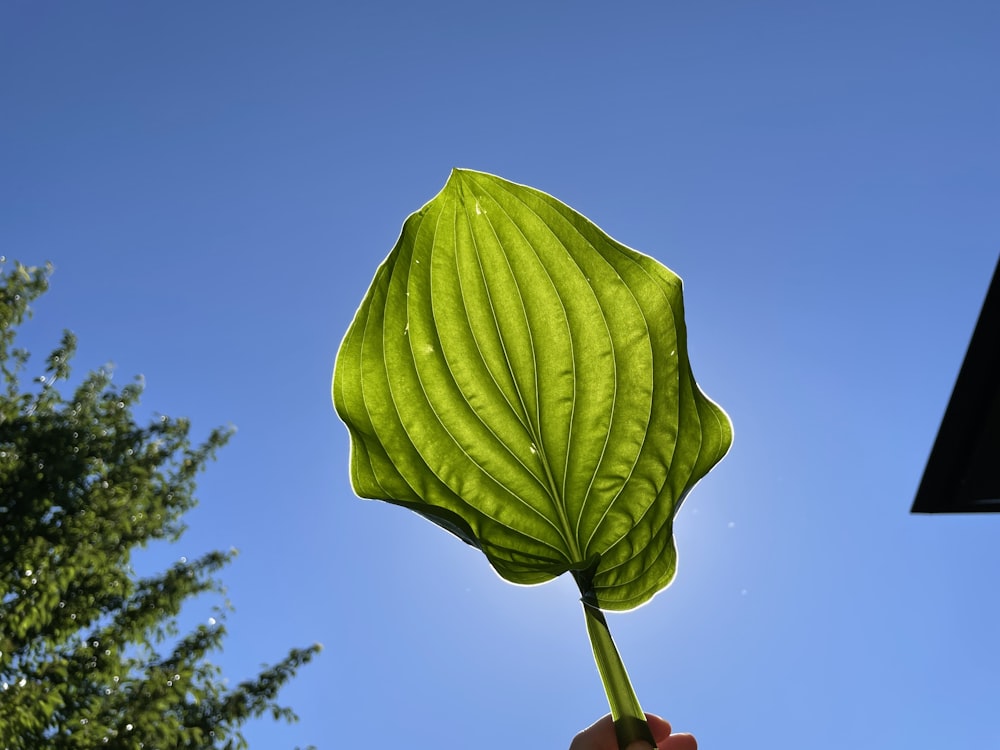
{"x": 520, "y": 378}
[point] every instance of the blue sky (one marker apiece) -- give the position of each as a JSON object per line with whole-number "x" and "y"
{"x": 217, "y": 182}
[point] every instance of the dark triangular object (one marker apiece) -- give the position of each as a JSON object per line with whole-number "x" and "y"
{"x": 963, "y": 472}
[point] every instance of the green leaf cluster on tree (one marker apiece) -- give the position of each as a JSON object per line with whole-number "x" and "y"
{"x": 91, "y": 654}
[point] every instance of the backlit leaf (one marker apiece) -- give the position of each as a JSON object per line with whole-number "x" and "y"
{"x": 520, "y": 378}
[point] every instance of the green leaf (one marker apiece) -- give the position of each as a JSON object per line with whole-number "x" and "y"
{"x": 520, "y": 378}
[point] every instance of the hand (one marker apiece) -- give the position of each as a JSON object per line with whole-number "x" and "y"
{"x": 601, "y": 736}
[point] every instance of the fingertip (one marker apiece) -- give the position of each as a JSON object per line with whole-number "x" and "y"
{"x": 665, "y": 739}
{"x": 681, "y": 741}
{"x": 659, "y": 726}
{"x": 600, "y": 734}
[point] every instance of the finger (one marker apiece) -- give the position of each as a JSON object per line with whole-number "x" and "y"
{"x": 598, "y": 736}
{"x": 659, "y": 726}
{"x": 679, "y": 742}
{"x": 601, "y": 736}
{"x": 665, "y": 740}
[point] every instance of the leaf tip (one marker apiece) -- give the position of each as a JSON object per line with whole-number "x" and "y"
{"x": 459, "y": 176}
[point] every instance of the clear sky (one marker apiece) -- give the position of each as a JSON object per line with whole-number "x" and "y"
{"x": 217, "y": 182}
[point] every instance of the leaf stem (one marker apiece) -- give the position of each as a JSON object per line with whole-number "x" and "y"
{"x": 630, "y": 721}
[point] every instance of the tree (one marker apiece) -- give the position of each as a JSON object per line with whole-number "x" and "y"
{"x": 91, "y": 654}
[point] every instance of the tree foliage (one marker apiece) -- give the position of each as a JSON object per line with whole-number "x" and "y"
{"x": 91, "y": 654}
